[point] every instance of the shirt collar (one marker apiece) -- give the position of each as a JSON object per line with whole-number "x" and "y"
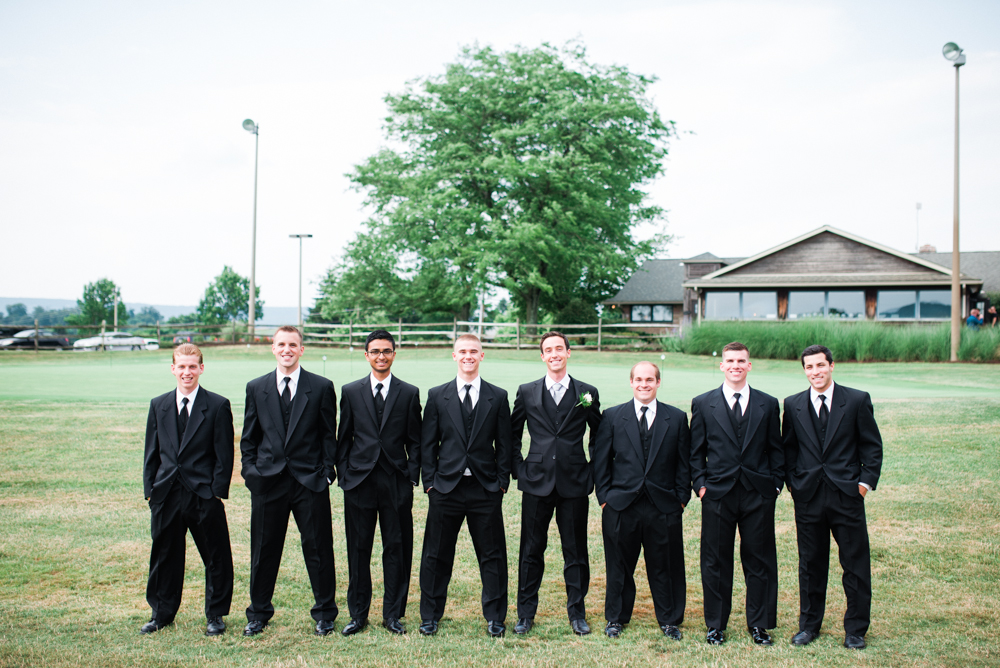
{"x": 385, "y": 383}
{"x": 293, "y": 375}
{"x": 549, "y": 382}
{"x": 190, "y": 397}
{"x": 650, "y": 411}
{"x": 828, "y": 393}
{"x": 475, "y": 382}
{"x": 728, "y": 392}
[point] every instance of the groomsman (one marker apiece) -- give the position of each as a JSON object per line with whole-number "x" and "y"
{"x": 465, "y": 455}
{"x": 642, "y": 474}
{"x": 289, "y": 447}
{"x": 555, "y": 476}
{"x": 187, "y": 466}
{"x": 833, "y": 452}
{"x": 378, "y": 466}
{"x": 738, "y": 471}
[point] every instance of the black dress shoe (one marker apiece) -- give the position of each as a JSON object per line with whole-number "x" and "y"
{"x": 394, "y": 625}
{"x": 671, "y": 631}
{"x": 803, "y": 638}
{"x": 580, "y": 626}
{"x": 855, "y": 642}
{"x": 154, "y": 625}
{"x": 760, "y": 635}
{"x": 523, "y": 626}
{"x": 495, "y": 629}
{"x": 613, "y": 630}
{"x": 715, "y": 636}
{"x": 354, "y": 626}
{"x": 324, "y": 627}
{"x": 254, "y": 627}
{"x": 428, "y": 627}
{"x": 215, "y": 626}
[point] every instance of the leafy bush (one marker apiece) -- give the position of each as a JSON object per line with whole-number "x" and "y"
{"x": 859, "y": 341}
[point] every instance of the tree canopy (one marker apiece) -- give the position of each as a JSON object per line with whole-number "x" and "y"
{"x": 522, "y": 170}
{"x": 98, "y": 304}
{"x": 227, "y": 299}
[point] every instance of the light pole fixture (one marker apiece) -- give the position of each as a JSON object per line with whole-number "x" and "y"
{"x": 300, "y": 237}
{"x": 252, "y": 127}
{"x": 953, "y": 53}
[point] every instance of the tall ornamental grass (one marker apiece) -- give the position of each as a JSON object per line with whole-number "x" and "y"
{"x": 859, "y": 341}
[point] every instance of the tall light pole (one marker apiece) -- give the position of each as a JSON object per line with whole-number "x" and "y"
{"x": 250, "y": 126}
{"x": 300, "y": 237}
{"x": 954, "y": 54}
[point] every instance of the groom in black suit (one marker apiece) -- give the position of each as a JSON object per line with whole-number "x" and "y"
{"x": 187, "y": 466}
{"x": 833, "y": 456}
{"x": 289, "y": 447}
{"x": 642, "y": 473}
{"x": 555, "y": 476}
{"x": 738, "y": 471}
{"x": 465, "y": 451}
{"x": 378, "y": 466}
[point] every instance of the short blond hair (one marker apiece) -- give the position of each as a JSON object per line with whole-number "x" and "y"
{"x": 291, "y": 329}
{"x": 468, "y": 336}
{"x": 631, "y": 374}
{"x": 187, "y": 349}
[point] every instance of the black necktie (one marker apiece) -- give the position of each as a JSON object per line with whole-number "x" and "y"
{"x": 379, "y": 402}
{"x": 182, "y": 418}
{"x": 643, "y": 427}
{"x": 467, "y": 402}
{"x": 824, "y": 412}
{"x": 737, "y": 413}
{"x": 286, "y": 394}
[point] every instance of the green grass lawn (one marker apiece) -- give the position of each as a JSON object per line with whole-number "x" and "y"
{"x": 74, "y": 537}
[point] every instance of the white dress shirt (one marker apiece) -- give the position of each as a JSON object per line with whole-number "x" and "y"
{"x": 814, "y": 398}
{"x": 190, "y": 397}
{"x": 474, "y": 394}
{"x": 549, "y": 382}
{"x": 650, "y": 411}
{"x": 385, "y": 385}
{"x": 744, "y": 392}
{"x": 293, "y": 383}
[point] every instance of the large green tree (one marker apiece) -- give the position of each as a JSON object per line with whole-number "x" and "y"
{"x": 98, "y": 304}
{"x": 227, "y": 299}
{"x": 522, "y": 170}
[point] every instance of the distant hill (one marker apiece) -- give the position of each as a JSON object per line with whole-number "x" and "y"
{"x": 273, "y": 315}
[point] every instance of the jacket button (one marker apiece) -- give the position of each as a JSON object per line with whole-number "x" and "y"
{"x": 553, "y": 456}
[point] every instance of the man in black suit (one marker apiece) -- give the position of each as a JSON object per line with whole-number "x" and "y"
{"x": 554, "y": 477}
{"x": 737, "y": 469}
{"x": 833, "y": 457}
{"x": 465, "y": 455}
{"x": 289, "y": 447}
{"x": 186, "y": 469}
{"x": 378, "y": 466}
{"x": 642, "y": 473}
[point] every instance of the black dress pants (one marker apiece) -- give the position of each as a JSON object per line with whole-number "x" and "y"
{"x": 170, "y": 521}
{"x": 660, "y": 537}
{"x": 571, "y": 518}
{"x": 385, "y": 499}
{"x": 843, "y": 515}
{"x": 754, "y": 516}
{"x": 269, "y": 513}
{"x": 483, "y": 510}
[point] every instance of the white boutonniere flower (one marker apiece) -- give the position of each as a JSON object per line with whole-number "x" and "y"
{"x": 586, "y": 400}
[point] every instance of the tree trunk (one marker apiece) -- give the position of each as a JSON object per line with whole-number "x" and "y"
{"x": 464, "y": 313}
{"x": 532, "y": 297}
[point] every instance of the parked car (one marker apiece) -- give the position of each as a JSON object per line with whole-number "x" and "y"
{"x": 46, "y": 339}
{"x": 187, "y": 337}
{"x": 112, "y": 341}
{"x": 152, "y": 344}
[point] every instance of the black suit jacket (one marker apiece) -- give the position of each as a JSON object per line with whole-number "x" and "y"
{"x": 203, "y": 461}
{"x": 619, "y": 471}
{"x": 717, "y": 460}
{"x": 445, "y": 452}
{"x": 556, "y": 459}
{"x": 852, "y": 453}
{"x": 308, "y": 448}
{"x": 361, "y": 438}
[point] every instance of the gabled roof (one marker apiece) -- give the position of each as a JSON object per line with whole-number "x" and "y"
{"x": 655, "y": 282}
{"x": 982, "y": 264}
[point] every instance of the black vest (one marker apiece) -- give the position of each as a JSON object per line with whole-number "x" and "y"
{"x": 817, "y": 425}
{"x": 740, "y": 423}
{"x": 559, "y": 412}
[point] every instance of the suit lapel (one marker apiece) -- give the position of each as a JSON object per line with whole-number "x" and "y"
{"x": 720, "y": 411}
{"x": 540, "y": 392}
{"x": 632, "y": 428}
{"x": 271, "y": 400}
{"x": 197, "y": 416}
{"x": 390, "y": 400}
{"x": 298, "y": 403}
{"x": 169, "y": 411}
{"x": 756, "y": 413}
{"x": 660, "y": 427}
{"x": 836, "y": 414}
{"x": 368, "y": 398}
{"x": 482, "y": 409}
{"x": 571, "y": 395}
{"x": 801, "y": 404}
{"x": 454, "y": 408}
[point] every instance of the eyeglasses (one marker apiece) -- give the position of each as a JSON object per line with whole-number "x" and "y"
{"x": 388, "y": 352}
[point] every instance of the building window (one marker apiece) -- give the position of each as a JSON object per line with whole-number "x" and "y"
{"x": 934, "y": 304}
{"x": 833, "y": 304}
{"x": 652, "y": 313}
{"x": 741, "y": 305}
{"x": 914, "y": 304}
{"x": 759, "y": 306}
{"x": 722, "y": 305}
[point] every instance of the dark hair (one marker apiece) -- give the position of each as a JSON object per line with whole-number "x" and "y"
{"x": 816, "y": 350}
{"x": 549, "y": 335}
{"x": 631, "y": 374}
{"x": 380, "y": 335}
{"x": 291, "y": 329}
{"x": 735, "y": 346}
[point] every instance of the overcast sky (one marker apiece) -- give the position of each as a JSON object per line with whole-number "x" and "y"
{"x": 122, "y": 153}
